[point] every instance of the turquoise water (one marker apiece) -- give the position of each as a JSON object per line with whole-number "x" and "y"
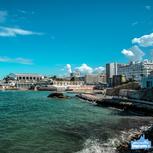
{"x": 32, "y": 123}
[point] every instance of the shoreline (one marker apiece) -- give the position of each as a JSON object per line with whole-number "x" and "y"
{"x": 141, "y": 107}
{"x": 145, "y": 109}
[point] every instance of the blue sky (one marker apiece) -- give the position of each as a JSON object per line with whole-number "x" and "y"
{"x": 42, "y": 36}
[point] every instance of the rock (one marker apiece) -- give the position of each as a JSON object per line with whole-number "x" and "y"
{"x": 57, "y": 95}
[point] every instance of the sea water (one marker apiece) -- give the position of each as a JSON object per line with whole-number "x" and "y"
{"x": 32, "y": 123}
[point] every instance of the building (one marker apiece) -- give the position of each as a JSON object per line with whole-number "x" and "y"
{"x": 135, "y": 70}
{"x": 111, "y": 70}
{"x": 147, "y": 82}
{"x": 25, "y": 77}
{"x": 62, "y": 85}
{"x": 24, "y": 80}
{"x": 7, "y": 86}
{"x": 93, "y": 79}
{"x": 75, "y": 74}
{"x": 118, "y": 80}
{"x": 66, "y": 83}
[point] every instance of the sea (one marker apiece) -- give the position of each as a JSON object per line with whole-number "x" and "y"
{"x": 30, "y": 122}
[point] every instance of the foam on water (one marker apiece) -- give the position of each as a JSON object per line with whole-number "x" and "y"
{"x": 94, "y": 146}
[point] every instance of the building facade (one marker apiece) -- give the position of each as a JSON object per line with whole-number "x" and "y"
{"x": 93, "y": 79}
{"x": 66, "y": 83}
{"x": 111, "y": 70}
{"x": 26, "y": 77}
{"x": 24, "y": 80}
{"x": 136, "y": 70}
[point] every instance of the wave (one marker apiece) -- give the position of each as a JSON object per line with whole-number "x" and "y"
{"x": 94, "y": 146}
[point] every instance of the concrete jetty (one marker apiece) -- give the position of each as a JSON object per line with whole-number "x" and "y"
{"x": 89, "y": 97}
{"x": 139, "y": 106}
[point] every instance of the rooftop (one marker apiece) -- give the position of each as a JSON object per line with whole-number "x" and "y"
{"x": 26, "y": 74}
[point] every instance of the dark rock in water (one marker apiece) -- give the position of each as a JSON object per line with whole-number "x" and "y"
{"x": 57, "y": 95}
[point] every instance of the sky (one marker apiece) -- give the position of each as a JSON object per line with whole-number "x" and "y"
{"x": 59, "y": 36}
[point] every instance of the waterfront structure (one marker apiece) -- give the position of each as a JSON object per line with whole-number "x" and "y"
{"x": 62, "y": 85}
{"x": 135, "y": 70}
{"x": 118, "y": 80}
{"x": 23, "y": 80}
{"x": 94, "y": 79}
{"x": 66, "y": 83}
{"x": 26, "y": 77}
{"x": 82, "y": 88}
{"x": 7, "y": 86}
{"x": 111, "y": 70}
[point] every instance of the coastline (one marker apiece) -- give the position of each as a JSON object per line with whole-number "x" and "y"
{"x": 146, "y": 107}
{"x": 126, "y": 105}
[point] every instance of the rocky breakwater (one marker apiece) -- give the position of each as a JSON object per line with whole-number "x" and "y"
{"x": 138, "y": 106}
{"x": 89, "y": 97}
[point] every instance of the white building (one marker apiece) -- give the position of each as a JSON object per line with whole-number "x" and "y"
{"x": 66, "y": 83}
{"x": 26, "y": 77}
{"x": 111, "y": 69}
{"x": 135, "y": 70}
{"x": 24, "y": 80}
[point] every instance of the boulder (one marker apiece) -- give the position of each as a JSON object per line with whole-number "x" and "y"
{"x": 57, "y": 95}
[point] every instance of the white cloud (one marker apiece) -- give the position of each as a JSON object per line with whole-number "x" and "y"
{"x": 138, "y": 53}
{"x": 148, "y": 7}
{"x": 3, "y": 15}
{"x": 134, "y": 53}
{"x": 22, "y": 11}
{"x": 18, "y": 60}
{"x": 68, "y": 68}
{"x": 135, "y": 23}
{"x": 127, "y": 53}
{"x": 145, "y": 41}
{"x": 99, "y": 69}
{"x": 84, "y": 69}
{"x": 12, "y": 32}
{"x": 26, "y": 12}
